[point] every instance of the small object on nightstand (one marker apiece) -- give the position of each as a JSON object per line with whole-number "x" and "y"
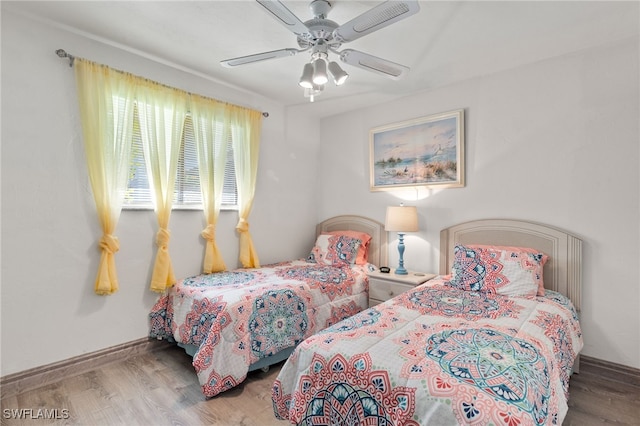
{"x": 385, "y": 269}
{"x": 419, "y": 274}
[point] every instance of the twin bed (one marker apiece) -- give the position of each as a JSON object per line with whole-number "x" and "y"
{"x": 238, "y": 321}
{"x": 483, "y": 343}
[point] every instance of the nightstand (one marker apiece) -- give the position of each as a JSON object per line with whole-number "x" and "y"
{"x": 385, "y": 286}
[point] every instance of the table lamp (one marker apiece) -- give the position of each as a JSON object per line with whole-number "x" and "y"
{"x": 401, "y": 219}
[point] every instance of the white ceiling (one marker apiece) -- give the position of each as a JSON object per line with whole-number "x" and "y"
{"x": 447, "y": 41}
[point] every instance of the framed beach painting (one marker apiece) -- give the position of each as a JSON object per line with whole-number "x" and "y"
{"x": 426, "y": 151}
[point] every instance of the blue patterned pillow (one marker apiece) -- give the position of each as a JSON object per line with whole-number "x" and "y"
{"x": 468, "y": 270}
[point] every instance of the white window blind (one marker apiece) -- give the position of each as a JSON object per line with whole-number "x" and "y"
{"x": 187, "y": 189}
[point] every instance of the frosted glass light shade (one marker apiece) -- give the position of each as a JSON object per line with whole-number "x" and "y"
{"x": 320, "y": 72}
{"x": 339, "y": 75}
{"x": 306, "y": 80}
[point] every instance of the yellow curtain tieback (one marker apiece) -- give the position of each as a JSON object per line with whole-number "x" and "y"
{"x": 162, "y": 238}
{"x": 209, "y": 232}
{"x": 109, "y": 243}
{"x": 243, "y": 226}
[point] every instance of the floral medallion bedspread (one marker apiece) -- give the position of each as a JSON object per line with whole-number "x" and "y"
{"x": 436, "y": 355}
{"x": 238, "y": 317}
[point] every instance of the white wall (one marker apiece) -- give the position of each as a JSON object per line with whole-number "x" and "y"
{"x": 555, "y": 142}
{"x": 49, "y": 225}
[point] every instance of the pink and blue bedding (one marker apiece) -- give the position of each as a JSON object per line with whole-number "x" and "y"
{"x": 234, "y": 320}
{"x": 438, "y": 354}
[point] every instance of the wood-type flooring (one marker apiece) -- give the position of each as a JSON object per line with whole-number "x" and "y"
{"x": 161, "y": 388}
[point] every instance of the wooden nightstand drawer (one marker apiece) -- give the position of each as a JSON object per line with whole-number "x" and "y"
{"x": 385, "y": 290}
{"x": 383, "y": 287}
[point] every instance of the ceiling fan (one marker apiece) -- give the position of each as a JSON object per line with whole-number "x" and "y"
{"x": 322, "y": 36}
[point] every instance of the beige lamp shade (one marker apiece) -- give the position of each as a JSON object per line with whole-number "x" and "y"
{"x": 401, "y": 219}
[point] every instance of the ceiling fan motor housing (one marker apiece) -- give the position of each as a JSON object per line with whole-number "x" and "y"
{"x": 319, "y": 29}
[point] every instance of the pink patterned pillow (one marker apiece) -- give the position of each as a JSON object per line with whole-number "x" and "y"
{"x": 363, "y": 250}
{"x": 513, "y": 271}
{"x": 335, "y": 250}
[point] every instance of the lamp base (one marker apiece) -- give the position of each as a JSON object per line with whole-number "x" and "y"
{"x": 401, "y": 271}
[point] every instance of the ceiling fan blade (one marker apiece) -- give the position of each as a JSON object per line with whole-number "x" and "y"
{"x": 284, "y": 16}
{"x": 374, "y": 64}
{"x": 374, "y": 19}
{"x": 242, "y": 60}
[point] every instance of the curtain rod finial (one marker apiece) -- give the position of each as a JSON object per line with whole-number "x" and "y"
{"x": 63, "y": 54}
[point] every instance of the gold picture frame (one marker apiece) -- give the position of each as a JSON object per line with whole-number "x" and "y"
{"x": 426, "y": 152}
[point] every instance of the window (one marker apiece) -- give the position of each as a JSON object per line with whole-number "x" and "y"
{"x": 187, "y": 189}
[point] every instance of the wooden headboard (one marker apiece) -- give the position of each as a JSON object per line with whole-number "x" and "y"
{"x": 378, "y": 254}
{"x": 563, "y": 270}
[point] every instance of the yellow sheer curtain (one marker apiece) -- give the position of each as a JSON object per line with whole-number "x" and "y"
{"x": 246, "y": 126}
{"x": 162, "y": 112}
{"x": 211, "y": 132}
{"x": 106, "y": 110}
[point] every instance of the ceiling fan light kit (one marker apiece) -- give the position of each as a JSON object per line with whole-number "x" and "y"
{"x": 322, "y": 36}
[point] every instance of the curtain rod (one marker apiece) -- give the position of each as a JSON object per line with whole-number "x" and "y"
{"x": 63, "y": 54}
